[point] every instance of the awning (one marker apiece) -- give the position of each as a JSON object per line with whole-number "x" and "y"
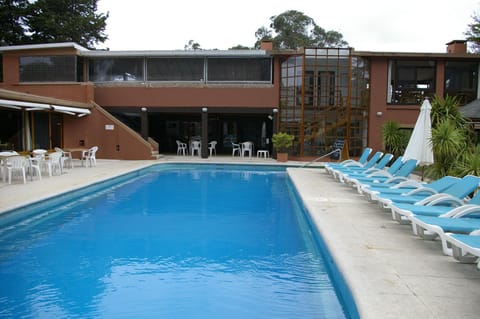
{"x": 32, "y": 106}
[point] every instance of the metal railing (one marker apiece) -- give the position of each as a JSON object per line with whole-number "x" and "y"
{"x": 325, "y": 155}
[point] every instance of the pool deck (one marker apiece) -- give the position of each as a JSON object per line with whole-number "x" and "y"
{"x": 391, "y": 272}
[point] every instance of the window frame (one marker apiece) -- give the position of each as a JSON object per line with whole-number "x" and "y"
{"x": 404, "y": 91}
{"x": 47, "y": 74}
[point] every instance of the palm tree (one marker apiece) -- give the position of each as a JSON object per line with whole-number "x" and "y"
{"x": 446, "y": 108}
{"x": 448, "y": 141}
{"x": 394, "y": 139}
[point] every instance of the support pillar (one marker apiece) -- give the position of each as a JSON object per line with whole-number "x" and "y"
{"x": 144, "y": 123}
{"x": 204, "y": 148}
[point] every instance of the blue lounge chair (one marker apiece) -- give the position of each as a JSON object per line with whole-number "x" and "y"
{"x": 400, "y": 195}
{"x": 359, "y": 172}
{"x": 339, "y": 172}
{"x": 401, "y": 174}
{"x": 363, "y": 159}
{"x": 436, "y": 204}
{"x": 465, "y": 248}
{"x": 463, "y": 220}
{"x": 374, "y": 191}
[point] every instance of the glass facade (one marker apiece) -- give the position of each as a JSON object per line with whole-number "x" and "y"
{"x": 175, "y": 69}
{"x": 410, "y": 81}
{"x": 48, "y": 68}
{"x": 239, "y": 69}
{"x": 178, "y": 69}
{"x": 323, "y": 98}
{"x": 461, "y": 80}
{"x": 116, "y": 69}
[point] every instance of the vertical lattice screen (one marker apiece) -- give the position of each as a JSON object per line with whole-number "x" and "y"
{"x": 324, "y": 97}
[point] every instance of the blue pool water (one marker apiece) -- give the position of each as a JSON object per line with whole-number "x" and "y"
{"x": 174, "y": 242}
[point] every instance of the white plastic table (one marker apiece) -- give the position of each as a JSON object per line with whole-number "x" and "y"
{"x": 263, "y": 153}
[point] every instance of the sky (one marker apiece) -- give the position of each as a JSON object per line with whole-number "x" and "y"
{"x": 367, "y": 25}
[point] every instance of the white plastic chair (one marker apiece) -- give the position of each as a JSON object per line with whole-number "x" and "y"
{"x": 34, "y": 167}
{"x": 212, "y": 147}
{"x": 89, "y": 157}
{"x": 196, "y": 146}
{"x": 236, "y": 149}
{"x": 181, "y": 148}
{"x": 3, "y": 162}
{"x": 16, "y": 164}
{"x": 66, "y": 157}
{"x": 247, "y": 147}
{"x": 54, "y": 163}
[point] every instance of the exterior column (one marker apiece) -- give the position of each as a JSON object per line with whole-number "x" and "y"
{"x": 144, "y": 123}
{"x": 204, "y": 149}
{"x": 274, "y": 129}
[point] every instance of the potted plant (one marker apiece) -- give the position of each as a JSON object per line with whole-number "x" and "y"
{"x": 281, "y": 143}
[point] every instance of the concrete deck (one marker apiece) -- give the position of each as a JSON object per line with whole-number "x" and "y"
{"x": 391, "y": 273}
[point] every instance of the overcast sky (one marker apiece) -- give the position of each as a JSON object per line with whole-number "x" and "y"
{"x": 367, "y": 25}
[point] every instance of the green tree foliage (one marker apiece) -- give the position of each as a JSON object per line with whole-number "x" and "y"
{"x": 448, "y": 141}
{"x": 293, "y": 29}
{"x": 473, "y": 33}
{"x": 192, "y": 45}
{"x": 469, "y": 162}
{"x": 395, "y": 140}
{"x": 12, "y": 26}
{"x": 48, "y": 21}
{"x": 447, "y": 109}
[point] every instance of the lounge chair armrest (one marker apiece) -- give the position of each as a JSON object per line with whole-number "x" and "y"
{"x": 353, "y": 164}
{"x": 395, "y": 179}
{"x": 380, "y": 172}
{"x": 422, "y": 189}
{"x": 409, "y": 183}
{"x": 441, "y": 198}
{"x": 346, "y": 162}
{"x": 462, "y": 211}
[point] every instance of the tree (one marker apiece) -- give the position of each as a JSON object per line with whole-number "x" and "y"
{"x": 47, "y": 21}
{"x": 239, "y": 47}
{"x": 395, "y": 139}
{"x": 192, "y": 45}
{"x": 294, "y": 29}
{"x": 12, "y": 26}
{"x": 66, "y": 21}
{"x": 473, "y": 33}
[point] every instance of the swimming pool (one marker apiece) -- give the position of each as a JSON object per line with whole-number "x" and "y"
{"x": 172, "y": 241}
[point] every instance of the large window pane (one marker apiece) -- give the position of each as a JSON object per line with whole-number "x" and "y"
{"x": 47, "y": 68}
{"x": 461, "y": 80}
{"x": 239, "y": 69}
{"x": 175, "y": 69}
{"x": 115, "y": 69}
{"x": 410, "y": 81}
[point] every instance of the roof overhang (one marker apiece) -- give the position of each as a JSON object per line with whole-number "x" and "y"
{"x": 28, "y": 102}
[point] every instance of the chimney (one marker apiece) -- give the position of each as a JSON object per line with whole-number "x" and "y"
{"x": 266, "y": 45}
{"x": 457, "y": 47}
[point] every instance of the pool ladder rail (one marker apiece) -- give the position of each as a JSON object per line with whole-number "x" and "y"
{"x": 325, "y": 155}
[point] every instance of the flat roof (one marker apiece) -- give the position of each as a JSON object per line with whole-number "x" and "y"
{"x": 25, "y": 47}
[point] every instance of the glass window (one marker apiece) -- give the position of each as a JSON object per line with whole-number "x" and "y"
{"x": 239, "y": 69}
{"x": 47, "y": 68}
{"x": 461, "y": 80}
{"x": 410, "y": 81}
{"x": 115, "y": 69}
{"x": 175, "y": 69}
